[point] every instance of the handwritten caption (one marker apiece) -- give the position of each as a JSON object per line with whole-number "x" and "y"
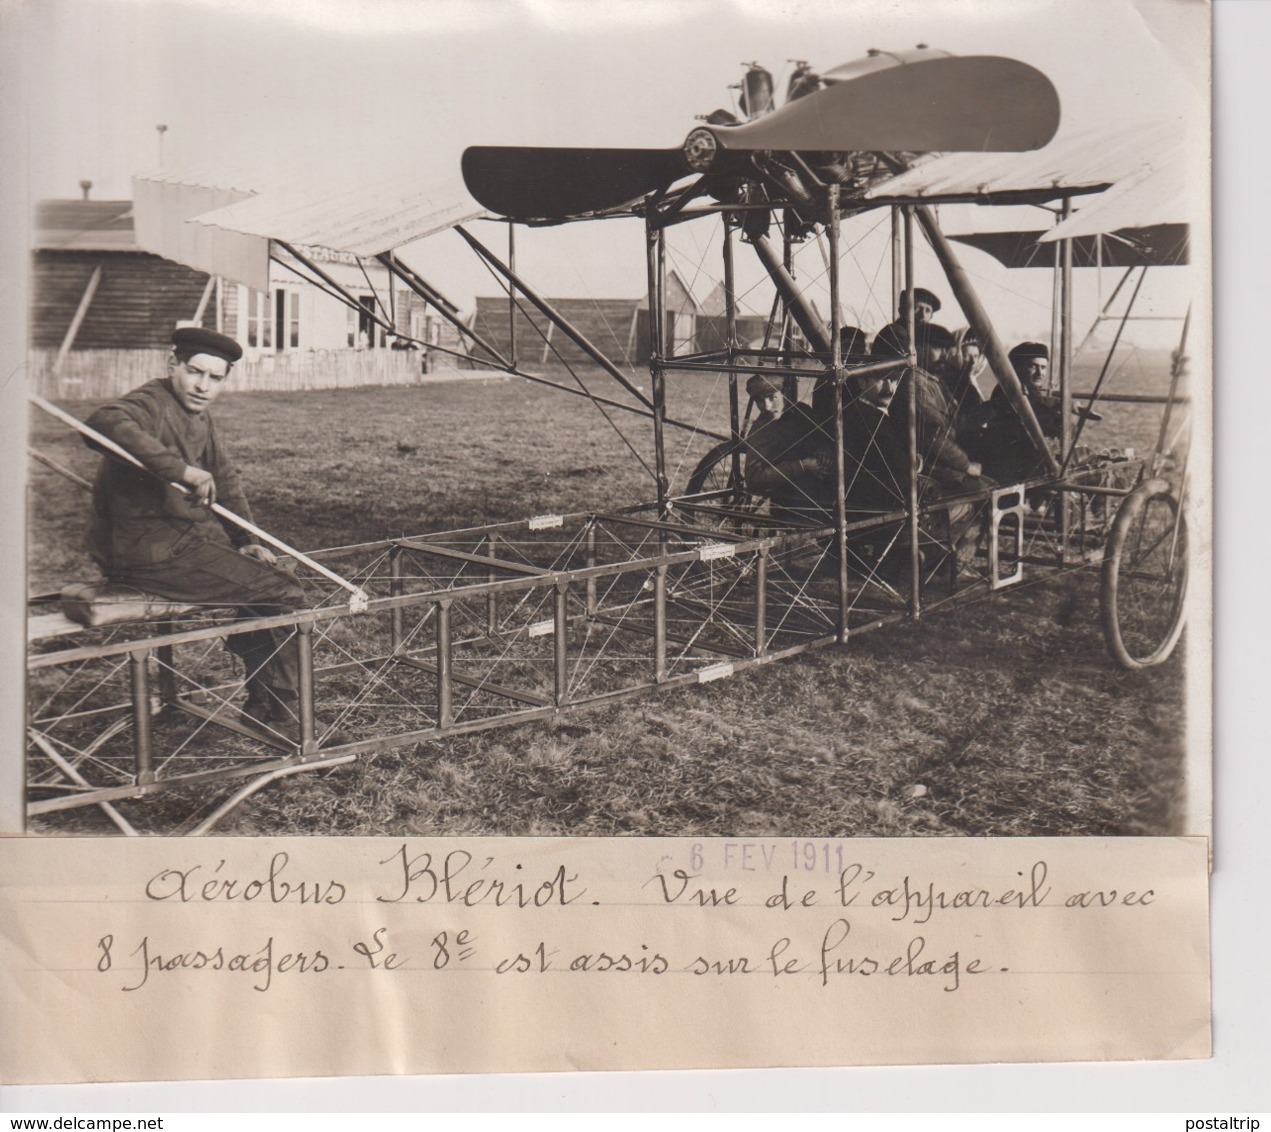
{"x": 811, "y": 913}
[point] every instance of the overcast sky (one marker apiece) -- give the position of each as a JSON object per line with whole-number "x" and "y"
{"x": 307, "y": 89}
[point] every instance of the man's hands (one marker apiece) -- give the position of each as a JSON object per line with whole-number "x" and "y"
{"x": 260, "y": 553}
{"x": 821, "y": 463}
{"x": 203, "y": 484}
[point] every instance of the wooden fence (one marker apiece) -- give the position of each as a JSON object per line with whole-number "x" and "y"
{"x": 98, "y": 375}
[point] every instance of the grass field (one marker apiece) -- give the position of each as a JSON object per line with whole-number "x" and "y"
{"x": 1004, "y": 717}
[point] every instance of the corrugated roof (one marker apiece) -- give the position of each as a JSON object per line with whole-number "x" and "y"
{"x": 240, "y": 180}
{"x": 84, "y": 225}
{"x": 221, "y": 222}
{"x": 1076, "y": 161}
{"x": 83, "y": 214}
{"x": 365, "y": 219}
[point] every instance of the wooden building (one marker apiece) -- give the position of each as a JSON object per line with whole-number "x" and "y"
{"x": 94, "y": 289}
{"x": 619, "y": 328}
{"x": 712, "y": 324}
{"x": 103, "y": 311}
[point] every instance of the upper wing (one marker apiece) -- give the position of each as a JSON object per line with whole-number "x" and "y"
{"x": 1075, "y": 164}
{"x": 916, "y": 101}
{"x": 228, "y": 231}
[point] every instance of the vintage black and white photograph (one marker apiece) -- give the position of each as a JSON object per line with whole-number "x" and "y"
{"x": 747, "y": 420}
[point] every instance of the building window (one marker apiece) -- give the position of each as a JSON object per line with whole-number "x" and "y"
{"x": 369, "y": 332}
{"x": 260, "y": 322}
{"x": 287, "y": 319}
{"x": 269, "y": 320}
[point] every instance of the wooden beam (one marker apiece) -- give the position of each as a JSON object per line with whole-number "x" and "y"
{"x": 201, "y": 309}
{"x": 85, "y": 299}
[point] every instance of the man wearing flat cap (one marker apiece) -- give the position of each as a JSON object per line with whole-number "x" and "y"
{"x": 765, "y": 396}
{"x": 149, "y": 535}
{"x": 1031, "y": 363}
{"x": 1009, "y": 452}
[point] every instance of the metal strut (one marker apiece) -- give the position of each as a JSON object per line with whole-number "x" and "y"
{"x": 430, "y": 295}
{"x": 977, "y": 316}
{"x": 555, "y": 317}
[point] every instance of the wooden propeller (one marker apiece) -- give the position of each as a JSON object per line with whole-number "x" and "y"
{"x": 917, "y": 101}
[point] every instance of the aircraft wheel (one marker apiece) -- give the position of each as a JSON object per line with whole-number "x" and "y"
{"x": 714, "y": 473}
{"x": 1144, "y": 584}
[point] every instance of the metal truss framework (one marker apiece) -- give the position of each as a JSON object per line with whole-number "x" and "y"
{"x": 482, "y": 628}
{"x": 502, "y": 624}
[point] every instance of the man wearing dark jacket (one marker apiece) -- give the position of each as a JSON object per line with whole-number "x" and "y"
{"x": 943, "y": 457}
{"x": 799, "y": 461}
{"x": 148, "y": 534}
{"x": 1007, "y": 446}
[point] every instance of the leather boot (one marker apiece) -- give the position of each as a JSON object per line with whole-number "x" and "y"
{"x": 284, "y": 720}
{"x": 258, "y": 707}
{"x": 272, "y": 665}
{"x": 285, "y": 716}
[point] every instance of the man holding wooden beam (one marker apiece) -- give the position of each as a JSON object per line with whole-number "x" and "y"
{"x": 149, "y": 534}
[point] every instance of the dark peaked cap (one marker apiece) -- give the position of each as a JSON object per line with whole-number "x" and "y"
{"x": 191, "y": 340}
{"x": 1028, "y": 350}
{"x": 922, "y": 295}
{"x": 761, "y": 385}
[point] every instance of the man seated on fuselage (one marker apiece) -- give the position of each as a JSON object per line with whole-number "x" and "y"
{"x": 943, "y": 457}
{"x": 149, "y": 535}
{"x": 1031, "y": 363}
{"x": 851, "y": 346}
{"x": 766, "y": 397}
{"x": 966, "y": 374}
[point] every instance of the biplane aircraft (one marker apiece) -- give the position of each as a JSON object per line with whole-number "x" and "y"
{"x": 796, "y": 528}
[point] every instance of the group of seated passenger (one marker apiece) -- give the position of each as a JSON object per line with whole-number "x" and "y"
{"x": 985, "y": 423}
{"x": 969, "y": 435}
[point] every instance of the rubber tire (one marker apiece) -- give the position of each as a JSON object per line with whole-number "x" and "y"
{"x": 707, "y": 464}
{"x": 1120, "y": 558}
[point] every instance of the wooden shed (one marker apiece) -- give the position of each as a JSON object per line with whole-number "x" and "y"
{"x": 619, "y": 328}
